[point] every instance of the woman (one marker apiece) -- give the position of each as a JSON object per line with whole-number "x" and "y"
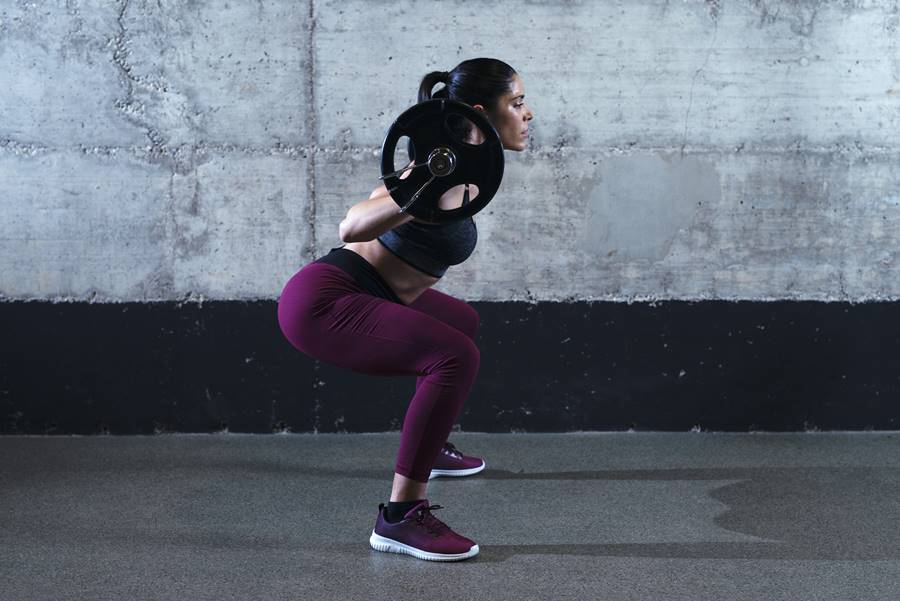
{"x": 369, "y": 306}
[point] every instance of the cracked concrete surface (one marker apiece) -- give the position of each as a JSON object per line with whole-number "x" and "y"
{"x": 168, "y": 151}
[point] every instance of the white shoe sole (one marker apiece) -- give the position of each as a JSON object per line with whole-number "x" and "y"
{"x": 381, "y": 543}
{"x": 454, "y": 473}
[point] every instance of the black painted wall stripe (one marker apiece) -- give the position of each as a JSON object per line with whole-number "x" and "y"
{"x": 78, "y": 368}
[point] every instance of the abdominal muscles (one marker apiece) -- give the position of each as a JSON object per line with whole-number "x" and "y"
{"x": 406, "y": 281}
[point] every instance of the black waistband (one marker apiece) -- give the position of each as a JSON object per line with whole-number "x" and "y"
{"x": 361, "y": 271}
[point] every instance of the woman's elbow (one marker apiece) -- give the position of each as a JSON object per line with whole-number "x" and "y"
{"x": 345, "y": 232}
{"x": 349, "y": 234}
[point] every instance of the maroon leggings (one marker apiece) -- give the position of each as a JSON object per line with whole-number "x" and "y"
{"x": 326, "y": 314}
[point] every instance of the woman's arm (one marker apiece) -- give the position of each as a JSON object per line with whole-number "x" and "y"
{"x": 369, "y": 219}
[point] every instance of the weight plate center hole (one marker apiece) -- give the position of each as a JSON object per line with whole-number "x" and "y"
{"x": 441, "y": 162}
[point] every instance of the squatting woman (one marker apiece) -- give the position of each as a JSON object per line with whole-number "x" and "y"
{"x": 369, "y": 306}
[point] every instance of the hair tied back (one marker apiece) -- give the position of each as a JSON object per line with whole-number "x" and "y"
{"x": 474, "y": 81}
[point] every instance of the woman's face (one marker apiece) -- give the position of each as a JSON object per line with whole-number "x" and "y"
{"x": 511, "y": 116}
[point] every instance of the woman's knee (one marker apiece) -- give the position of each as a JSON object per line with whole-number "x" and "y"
{"x": 460, "y": 353}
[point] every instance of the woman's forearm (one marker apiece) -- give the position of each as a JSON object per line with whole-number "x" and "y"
{"x": 370, "y": 218}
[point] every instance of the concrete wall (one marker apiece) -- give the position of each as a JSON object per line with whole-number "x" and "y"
{"x": 681, "y": 149}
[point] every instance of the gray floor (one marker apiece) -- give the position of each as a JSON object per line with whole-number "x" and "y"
{"x": 563, "y": 516}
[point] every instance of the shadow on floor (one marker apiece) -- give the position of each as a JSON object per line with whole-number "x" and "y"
{"x": 813, "y": 512}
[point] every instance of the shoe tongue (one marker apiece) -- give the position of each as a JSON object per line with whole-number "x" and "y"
{"x": 412, "y": 511}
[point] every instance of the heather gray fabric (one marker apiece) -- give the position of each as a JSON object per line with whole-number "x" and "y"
{"x": 432, "y": 248}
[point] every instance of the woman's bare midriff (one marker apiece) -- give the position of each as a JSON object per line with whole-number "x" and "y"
{"x": 404, "y": 279}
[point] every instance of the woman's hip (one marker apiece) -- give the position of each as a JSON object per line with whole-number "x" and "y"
{"x": 308, "y": 296}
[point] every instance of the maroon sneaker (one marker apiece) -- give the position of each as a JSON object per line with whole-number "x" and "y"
{"x": 451, "y": 462}
{"x": 421, "y": 535}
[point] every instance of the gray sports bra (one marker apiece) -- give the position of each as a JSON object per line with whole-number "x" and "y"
{"x": 432, "y": 248}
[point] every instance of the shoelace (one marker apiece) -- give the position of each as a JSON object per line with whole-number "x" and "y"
{"x": 452, "y": 449}
{"x": 433, "y": 525}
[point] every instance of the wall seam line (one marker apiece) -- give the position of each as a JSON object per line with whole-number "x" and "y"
{"x": 313, "y": 130}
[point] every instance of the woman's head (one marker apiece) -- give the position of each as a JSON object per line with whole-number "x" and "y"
{"x": 488, "y": 85}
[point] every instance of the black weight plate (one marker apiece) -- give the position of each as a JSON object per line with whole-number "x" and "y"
{"x": 425, "y": 124}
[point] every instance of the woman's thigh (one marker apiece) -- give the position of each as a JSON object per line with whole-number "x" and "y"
{"x": 324, "y": 313}
{"x": 450, "y": 310}
{"x": 372, "y": 335}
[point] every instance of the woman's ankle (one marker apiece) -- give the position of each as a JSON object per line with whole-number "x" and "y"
{"x": 406, "y": 489}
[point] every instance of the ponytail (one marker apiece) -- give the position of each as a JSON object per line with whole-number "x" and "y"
{"x": 431, "y": 80}
{"x": 475, "y": 81}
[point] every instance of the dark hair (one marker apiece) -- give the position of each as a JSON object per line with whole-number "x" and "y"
{"x": 475, "y": 81}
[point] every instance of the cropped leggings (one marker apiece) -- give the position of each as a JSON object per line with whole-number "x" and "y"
{"x": 326, "y": 314}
